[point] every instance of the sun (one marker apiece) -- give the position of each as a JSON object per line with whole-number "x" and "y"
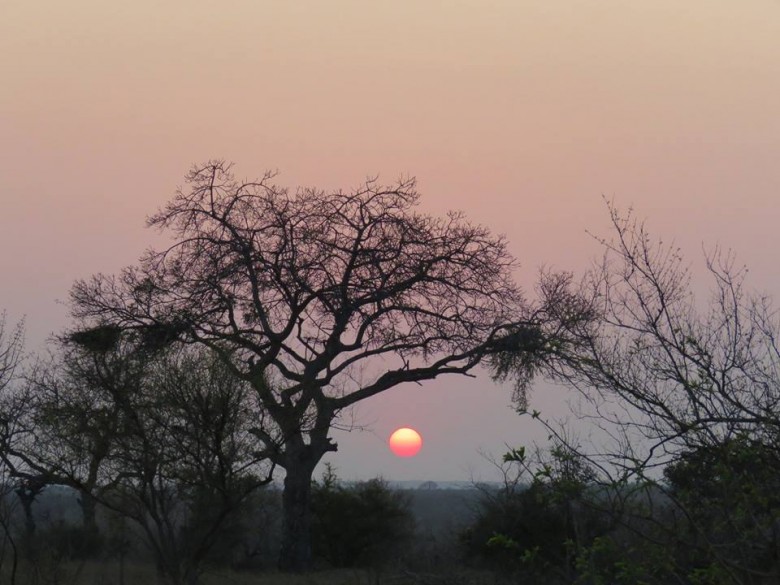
{"x": 405, "y": 442}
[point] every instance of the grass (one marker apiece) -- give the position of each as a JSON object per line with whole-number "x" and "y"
{"x": 107, "y": 573}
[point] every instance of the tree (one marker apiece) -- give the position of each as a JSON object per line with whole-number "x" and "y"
{"x": 160, "y": 437}
{"x": 320, "y": 300}
{"x": 676, "y": 383}
{"x": 65, "y": 422}
{"x": 11, "y": 342}
{"x": 691, "y": 375}
{"x": 184, "y": 466}
{"x": 72, "y": 414}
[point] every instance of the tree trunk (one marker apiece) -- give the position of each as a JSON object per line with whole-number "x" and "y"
{"x": 191, "y": 576}
{"x": 27, "y": 497}
{"x": 4, "y": 522}
{"x": 122, "y": 555}
{"x": 88, "y": 505}
{"x": 295, "y": 554}
{"x": 90, "y": 541}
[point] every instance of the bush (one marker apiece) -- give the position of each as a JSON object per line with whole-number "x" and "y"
{"x": 519, "y": 531}
{"x": 365, "y": 525}
{"x": 729, "y": 494}
{"x": 537, "y": 529}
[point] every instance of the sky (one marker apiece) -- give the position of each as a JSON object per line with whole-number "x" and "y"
{"x": 523, "y": 114}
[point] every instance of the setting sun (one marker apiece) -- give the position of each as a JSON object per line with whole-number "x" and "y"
{"x": 405, "y": 442}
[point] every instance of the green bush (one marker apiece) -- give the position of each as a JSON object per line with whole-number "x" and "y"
{"x": 520, "y": 531}
{"x": 364, "y": 525}
{"x": 537, "y": 529}
{"x": 729, "y": 496}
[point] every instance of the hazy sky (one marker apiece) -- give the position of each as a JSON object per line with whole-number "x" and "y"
{"x": 520, "y": 113}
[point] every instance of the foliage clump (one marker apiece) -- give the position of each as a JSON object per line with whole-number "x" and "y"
{"x": 730, "y": 493}
{"x": 362, "y": 525}
{"x": 540, "y": 520}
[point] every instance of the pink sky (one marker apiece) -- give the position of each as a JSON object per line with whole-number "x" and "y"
{"x": 520, "y": 113}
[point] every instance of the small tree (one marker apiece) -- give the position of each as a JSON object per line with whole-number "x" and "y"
{"x": 692, "y": 375}
{"x": 11, "y": 342}
{"x": 677, "y": 384}
{"x": 185, "y": 468}
{"x": 73, "y": 416}
{"x": 11, "y": 345}
{"x": 330, "y": 297}
{"x": 160, "y": 437}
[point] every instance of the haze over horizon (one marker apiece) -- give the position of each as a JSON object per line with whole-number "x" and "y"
{"x": 524, "y": 115}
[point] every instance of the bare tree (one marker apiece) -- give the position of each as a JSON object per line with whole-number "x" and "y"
{"x": 330, "y": 297}
{"x": 72, "y": 419}
{"x": 184, "y": 462}
{"x": 11, "y": 342}
{"x": 64, "y": 423}
{"x": 692, "y": 374}
{"x": 671, "y": 379}
{"x": 160, "y": 437}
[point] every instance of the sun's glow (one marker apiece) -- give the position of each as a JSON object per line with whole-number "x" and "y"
{"x": 405, "y": 442}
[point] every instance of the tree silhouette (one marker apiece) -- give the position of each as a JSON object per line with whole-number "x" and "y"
{"x": 319, "y": 300}
{"x": 684, "y": 386}
{"x": 11, "y": 340}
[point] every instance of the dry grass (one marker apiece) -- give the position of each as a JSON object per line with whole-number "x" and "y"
{"x": 107, "y": 573}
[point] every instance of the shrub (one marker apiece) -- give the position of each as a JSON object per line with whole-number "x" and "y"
{"x": 730, "y": 496}
{"x": 364, "y": 525}
{"x": 537, "y": 529}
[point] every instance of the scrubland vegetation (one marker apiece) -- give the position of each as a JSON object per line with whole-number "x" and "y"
{"x": 145, "y": 444}
{"x": 551, "y": 522}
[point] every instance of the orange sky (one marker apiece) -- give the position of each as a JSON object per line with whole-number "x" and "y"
{"x": 520, "y": 113}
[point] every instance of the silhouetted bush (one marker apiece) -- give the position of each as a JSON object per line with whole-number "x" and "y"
{"x": 730, "y": 496}
{"x": 365, "y": 525}
{"x": 69, "y": 542}
{"x": 537, "y": 529}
